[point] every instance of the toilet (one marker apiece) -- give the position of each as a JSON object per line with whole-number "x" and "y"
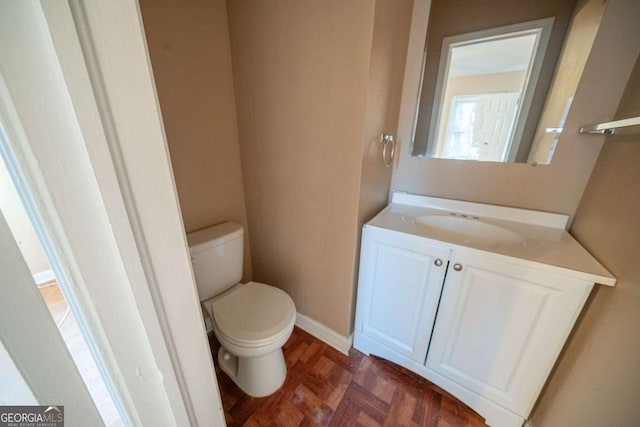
{"x": 252, "y": 321}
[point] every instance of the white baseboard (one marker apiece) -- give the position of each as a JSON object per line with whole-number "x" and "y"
{"x": 325, "y": 334}
{"x": 44, "y": 277}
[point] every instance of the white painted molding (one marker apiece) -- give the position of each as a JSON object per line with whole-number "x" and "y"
{"x": 324, "y": 333}
{"x": 113, "y": 93}
{"x": 43, "y": 277}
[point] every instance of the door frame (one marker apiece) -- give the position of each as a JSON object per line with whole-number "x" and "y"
{"x": 81, "y": 113}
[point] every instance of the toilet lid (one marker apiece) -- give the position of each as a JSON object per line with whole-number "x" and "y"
{"x": 254, "y": 312}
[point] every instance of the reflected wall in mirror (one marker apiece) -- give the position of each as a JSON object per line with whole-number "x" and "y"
{"x": 496, "y": 86}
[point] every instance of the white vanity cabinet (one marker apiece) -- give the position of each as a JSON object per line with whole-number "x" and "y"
{"x": 401, "y": 281}
{"x": 484, "y": 323}
{"x": 499, "y": 330}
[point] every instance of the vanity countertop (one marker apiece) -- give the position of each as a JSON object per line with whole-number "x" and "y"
{"x": 537, "y": 237}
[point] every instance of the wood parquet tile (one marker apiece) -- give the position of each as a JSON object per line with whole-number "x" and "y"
{"x": 327, "y": 388}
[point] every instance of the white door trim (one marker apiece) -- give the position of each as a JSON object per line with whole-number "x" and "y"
{"x": 87, "y": 132}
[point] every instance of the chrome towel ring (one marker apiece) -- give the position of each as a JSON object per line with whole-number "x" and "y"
{"x": 387, "y": 140}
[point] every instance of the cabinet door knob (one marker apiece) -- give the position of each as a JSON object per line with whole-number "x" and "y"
{"x": 438, "y": 262}
{"x": 457, "y": 267}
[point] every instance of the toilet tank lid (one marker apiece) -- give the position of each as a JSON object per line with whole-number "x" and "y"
{"x": 213, "y": 236}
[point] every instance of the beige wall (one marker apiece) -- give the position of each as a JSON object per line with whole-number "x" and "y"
{"x": 301, "y": 70}
{"x": 315, "y": 85}
{"x": 392, "y": 21}
{"x": 386, "y": 71}
{"x": 191, "y": 59}
{"x": 557, "y": 187}
{"x": 580, "y": 35}
{"x": 597, "y": 381}
{"x": 511, "y": 81}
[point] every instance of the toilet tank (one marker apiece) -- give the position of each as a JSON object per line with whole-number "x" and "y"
{"x": 216, "y": 256}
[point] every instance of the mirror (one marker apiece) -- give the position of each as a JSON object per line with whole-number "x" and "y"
{"x": 501, "y": 93}
{"x": 483, "y": 103}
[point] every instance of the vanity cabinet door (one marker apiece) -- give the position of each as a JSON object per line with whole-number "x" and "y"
{"x": 398, "y": 291}
{"x": 499, "y": 330}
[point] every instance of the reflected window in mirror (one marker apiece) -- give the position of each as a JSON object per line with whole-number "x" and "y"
{"x": 458, "y": 141}
{"x": 501, "y": 93}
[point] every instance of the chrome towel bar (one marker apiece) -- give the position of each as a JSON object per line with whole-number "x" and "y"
{"x": 609, "y": 128}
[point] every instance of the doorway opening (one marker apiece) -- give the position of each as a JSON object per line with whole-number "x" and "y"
{"x": 18, "y": 208}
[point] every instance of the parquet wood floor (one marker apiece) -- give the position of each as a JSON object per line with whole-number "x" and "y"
{"x": 326, "y": 388}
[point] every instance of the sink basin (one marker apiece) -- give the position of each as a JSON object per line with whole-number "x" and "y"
{"x": 466, "y": 229}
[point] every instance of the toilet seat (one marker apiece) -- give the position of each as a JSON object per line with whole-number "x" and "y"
{"x": 253, "y": 315}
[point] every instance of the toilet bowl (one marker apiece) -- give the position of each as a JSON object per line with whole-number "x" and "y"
{"x": 251, "y": 321}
